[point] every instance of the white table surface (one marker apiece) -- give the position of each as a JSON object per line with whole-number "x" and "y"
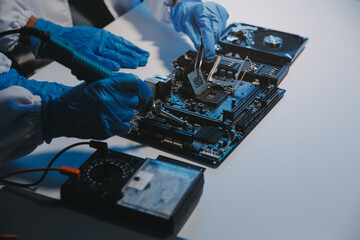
{"x": 297, "y": 175}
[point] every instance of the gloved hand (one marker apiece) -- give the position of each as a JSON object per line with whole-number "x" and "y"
{"x": 201, "y": 22}
{"x": 42, "y": 89}
{"x": 98, "y": 110}
{"x": 101, "y": 46}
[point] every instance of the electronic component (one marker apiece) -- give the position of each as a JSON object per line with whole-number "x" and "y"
{"x": 209, "y": 119}
{"x": 262, "y": 44}
{"x": 213, "y": 97}
{"x": 150, "y": 194}
{"x": 196, "y": 77}
{"x": 264, "y": 73}
{"x": 160, "y": 86}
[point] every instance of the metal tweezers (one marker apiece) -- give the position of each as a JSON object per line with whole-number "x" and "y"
{"x": 199, "y": 59}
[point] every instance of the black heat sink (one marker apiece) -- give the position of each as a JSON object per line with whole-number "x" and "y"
{"x": 209, "y": 134}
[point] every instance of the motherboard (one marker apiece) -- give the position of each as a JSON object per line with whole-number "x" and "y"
{"x": 204, "y": 109}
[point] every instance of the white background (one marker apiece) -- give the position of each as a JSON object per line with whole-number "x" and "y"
{"x": 297, "y": 175}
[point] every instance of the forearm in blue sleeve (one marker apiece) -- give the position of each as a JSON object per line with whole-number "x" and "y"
{"x": 40, "y": 88}
{"x": 9, "y": 77}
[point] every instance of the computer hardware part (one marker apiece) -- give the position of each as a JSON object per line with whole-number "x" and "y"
{"x": 240, "y": 90}
{"x": 262, "y": 44}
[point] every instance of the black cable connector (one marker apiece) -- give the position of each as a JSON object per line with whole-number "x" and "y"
{"x": 98, "y": 145}
{"x": 28, "y": 31}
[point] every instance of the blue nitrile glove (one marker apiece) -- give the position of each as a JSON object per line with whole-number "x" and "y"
{"x": 42, "y": 89}
{"x": 101, "y": 46}
{"x": 200, "y": 21}
{"x": 98, "y": 110}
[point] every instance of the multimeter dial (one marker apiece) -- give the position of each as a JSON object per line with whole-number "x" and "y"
{"x": 106, "y": 174}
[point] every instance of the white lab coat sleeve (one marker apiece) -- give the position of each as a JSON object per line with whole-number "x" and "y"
{"x": 20, "y": 129}
{"x": 20, "y": 119}
{"x": 161, "y": 9}
{"x": 5, "y": 64}
{"x": 13, "y": 15}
